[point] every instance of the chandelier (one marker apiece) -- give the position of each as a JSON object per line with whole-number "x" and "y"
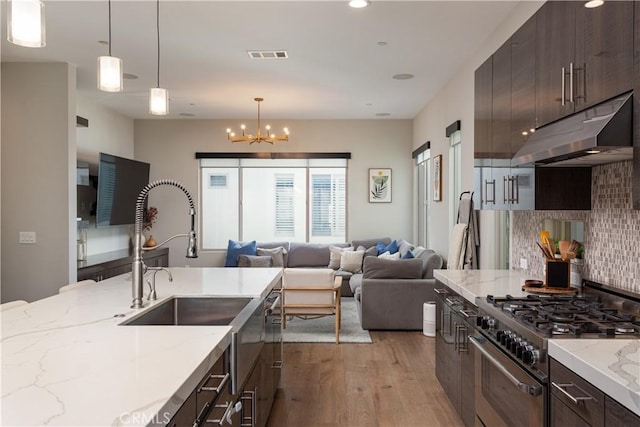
{"x": 269, "y": 137}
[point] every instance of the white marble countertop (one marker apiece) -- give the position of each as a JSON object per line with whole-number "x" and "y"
{"x": 66, "y": 361}
{"x": 612, "y": 365}
{"x": 472, "y": 284}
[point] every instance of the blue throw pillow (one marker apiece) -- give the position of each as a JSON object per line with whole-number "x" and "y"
{"x": 392, "y": 247}
{"x": 238, "y": 248}
{"x": 408, "y": 255}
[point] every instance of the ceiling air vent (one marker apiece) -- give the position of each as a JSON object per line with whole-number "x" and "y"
{"x": 268, "y": 54}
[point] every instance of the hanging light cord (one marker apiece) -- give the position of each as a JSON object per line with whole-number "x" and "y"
{"x": 109, "y": 27}
{"x": 158, "y": 32}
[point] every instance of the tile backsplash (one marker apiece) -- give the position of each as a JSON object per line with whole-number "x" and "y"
{"x": 611, "y": 227}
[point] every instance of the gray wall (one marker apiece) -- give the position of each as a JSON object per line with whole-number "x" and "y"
{"x": 170, "y": 147}
{"x": 38, "y": 178}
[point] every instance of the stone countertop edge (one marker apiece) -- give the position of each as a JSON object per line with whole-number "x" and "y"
{"x": 66, "y": 360}
{"x": 612, "y": 365}
{"x": 473, "y": 284}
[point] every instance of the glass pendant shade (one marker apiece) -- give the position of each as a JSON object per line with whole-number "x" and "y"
{"x": 159, "y": 101}
{"x": 25, "y": 23}
{"x": 110, "y": 74}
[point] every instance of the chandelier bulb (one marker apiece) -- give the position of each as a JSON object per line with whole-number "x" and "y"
{"x": 268, "y": 127}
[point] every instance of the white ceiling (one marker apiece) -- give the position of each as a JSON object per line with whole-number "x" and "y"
{"x": 336, "y": 67}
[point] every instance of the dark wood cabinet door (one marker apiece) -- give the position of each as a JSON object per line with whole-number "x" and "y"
{"x": 523, "y": 84}
{"x": 482, "y": 110}
{"x": 501, "y": 103}
{"x": 636, "y": 109}
{"x": 562, "y": 416}
{"x": 617, "y": 415}
{"x": 555, "y": 51}
{"x": 563, "y": 188}
{"x": 604, "y": 52}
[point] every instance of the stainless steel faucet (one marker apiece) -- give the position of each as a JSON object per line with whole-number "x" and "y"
{"x": 152, "y": 284}
{"x": 138, "y": 267}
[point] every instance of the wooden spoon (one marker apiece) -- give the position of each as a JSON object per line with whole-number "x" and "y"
{"x": 564, "y": 246}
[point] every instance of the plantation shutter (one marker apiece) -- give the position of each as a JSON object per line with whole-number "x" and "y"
{"x": 285, "y": 203}
{"x": 328, "y": 214}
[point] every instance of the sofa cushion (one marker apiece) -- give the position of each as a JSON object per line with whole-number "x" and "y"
{"x": 404, "y": 247}
{"x": 335, "y": 255}
{"x": 370, "y": 242}
{"x": 380, "y": 268}
{"x": 388, "y": 255}
{"x": 273, "y": 245}
{"x": 276, "y": 255}
{"x": 351, "y": 261}
{"x": 372, "y": 251}
{"x": 392, "y": 247}
{"x": 430, "y": 261}
{"x": 355, "y": 282}
{"x": 238, "y": 248}
{"x": 254, "y": 261}
{"x": 407, "y": 255}
{"x": 310, "y": 254}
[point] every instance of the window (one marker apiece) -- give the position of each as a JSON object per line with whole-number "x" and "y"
{"x": 455, "y": 173}
{"x": 424, "y": 186}
{"x": 272, "y": 199}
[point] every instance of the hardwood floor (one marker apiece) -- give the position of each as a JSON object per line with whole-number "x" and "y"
{"x": 391, "y": 382}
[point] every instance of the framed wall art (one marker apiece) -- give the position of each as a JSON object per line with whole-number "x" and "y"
{"x": 437, "y": 178}
{"x": 379, "y": 185}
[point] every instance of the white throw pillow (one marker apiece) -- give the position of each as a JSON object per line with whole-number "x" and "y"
{"x": 387, "y": 255}
{"x": 335, "y": 254}
{"x": 351, "y": 261}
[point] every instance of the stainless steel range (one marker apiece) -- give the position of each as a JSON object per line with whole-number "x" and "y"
{"x": 511, "y": 359}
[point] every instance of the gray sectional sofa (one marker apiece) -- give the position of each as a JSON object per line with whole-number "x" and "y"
{"x": 389, "y": 293}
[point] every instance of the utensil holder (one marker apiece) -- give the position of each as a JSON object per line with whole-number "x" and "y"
{"x": 558, "y": 273}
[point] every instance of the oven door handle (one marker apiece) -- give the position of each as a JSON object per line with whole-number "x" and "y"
{"x": 533, "y": 390}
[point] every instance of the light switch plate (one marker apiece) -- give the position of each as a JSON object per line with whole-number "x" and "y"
{"x": 524, "y": 264}
{"x": 27, "y": 237}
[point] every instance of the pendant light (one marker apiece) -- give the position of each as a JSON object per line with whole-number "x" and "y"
{"x": 110, "y": 68}
{"x": 25, "y": 23}
{"x": 158, "y": 97}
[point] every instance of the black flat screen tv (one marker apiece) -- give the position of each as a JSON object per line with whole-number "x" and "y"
{"x": 120, "y": 181}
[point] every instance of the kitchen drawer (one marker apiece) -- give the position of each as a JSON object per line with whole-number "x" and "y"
{"x": 214, "y": 385}
{"x": 579, "y": 395}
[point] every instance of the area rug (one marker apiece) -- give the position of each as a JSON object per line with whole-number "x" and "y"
{"x": 322, "y": 329}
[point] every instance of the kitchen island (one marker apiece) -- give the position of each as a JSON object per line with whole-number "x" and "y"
{"x": 67, "y": 361}
{"x": 612, "y": 365}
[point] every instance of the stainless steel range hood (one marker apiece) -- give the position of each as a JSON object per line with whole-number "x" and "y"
{"x": 600, "y": 134}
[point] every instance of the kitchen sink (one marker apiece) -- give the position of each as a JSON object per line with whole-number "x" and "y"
{"x": 189, "y": 311}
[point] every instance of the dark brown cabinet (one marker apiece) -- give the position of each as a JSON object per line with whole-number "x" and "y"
{"x": 576, "y": 402}
{"x": 583, "y": 56}
{"x": 482, "y": 110}
{"x": 523, "y": 84}
{"x": 103, "y": 266}
{"x": 563, "y": 188}
{"x": 501, "y": 103}
{"x": 455, "y": 364}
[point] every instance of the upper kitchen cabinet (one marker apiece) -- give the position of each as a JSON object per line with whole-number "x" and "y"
{"x": 523, "y": 84}
{"x": 583, "y": 56}
{"x": 482, "y": 110}
{"x": 501, "y": 103}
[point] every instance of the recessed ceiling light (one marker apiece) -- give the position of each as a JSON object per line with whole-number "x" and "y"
{"x": 193, "y": 104}
{"x": 187, "y": 114}
{"x": 593, "y": 3}
{"x": 383, "y": 114}
{"x": 129, "y": 76}
{"x": 368, "y": 104}
{"x": 103, "y": 42}
{"x": 382, "y": 43}
{"x": 359, "y": 4}
{"x": 403, "y": 76}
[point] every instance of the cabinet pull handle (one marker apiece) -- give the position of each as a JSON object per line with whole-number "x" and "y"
{"x": 575, "y": 399}
{"x": 486, "y": 185}
{"x": 571, "y": 82}
{"x": 225, "y": 415}
{"x": 440, "y": 291}
{"x": 251, "y": 397}
{"x": 224, "y": 378}
{"x": 516, "y": 189}
{"x": 276, "y": 321}
{"x": 505, "y": 190}
{"x": 202, "y": 414}
{"x": 563, "y": 86}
